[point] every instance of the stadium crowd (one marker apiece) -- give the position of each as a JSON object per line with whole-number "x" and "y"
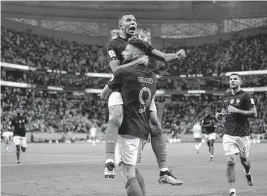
{"x": 27, "y": 48}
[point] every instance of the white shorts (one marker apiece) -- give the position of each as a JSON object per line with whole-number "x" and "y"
{"x": 7, "y": 134}
{"x": 93, "y": 133}
{"x": 115, "y": 99}
{"x": 196, "y": 135}
{"x": 211, "y": 136}
{"x": 127, "y": 149}
{"x": 235, "y": 144}
{"x": 18, "y": 140}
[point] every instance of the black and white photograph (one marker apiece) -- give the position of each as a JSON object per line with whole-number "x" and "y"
{"x": 133, "y": 98}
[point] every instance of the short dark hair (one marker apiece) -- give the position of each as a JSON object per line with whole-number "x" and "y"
{"x": 124, "y": 14}
{"x": 140, "y": 44}
{"x": 235, "y": 74}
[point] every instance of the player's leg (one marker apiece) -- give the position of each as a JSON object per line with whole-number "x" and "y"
{"x": 23, "y": 144}
{"x": 159, "y": 147}
{"x": 244, "y": 146}
{"x": 211, "y": 149}
{"x": 6, "y": 143}
{"x": 128, "y": 148}
{"x": 230, "y": 149}
{"x": 115, "y": 119}
{"x": 16, "y": 140}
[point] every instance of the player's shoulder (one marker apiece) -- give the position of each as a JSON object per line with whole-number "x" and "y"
{"x": 115, "y": 41}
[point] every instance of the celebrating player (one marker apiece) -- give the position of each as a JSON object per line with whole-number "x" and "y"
{"x": 238, "y": 106}
{"x": 208, "y": 123}
{"x": 137, "y": 85}
{"x": 19, "y": 135}
{"x": 128, "y": 27}
{"x": 197, "y": 135}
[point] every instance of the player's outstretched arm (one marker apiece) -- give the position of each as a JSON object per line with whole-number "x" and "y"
{"x": 115, "y": 64}
{"x": 167, "y": 57}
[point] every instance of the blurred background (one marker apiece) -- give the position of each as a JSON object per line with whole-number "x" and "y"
{"x": 53, "y": 61}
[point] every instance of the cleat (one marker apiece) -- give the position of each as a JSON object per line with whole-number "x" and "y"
{"x": 249, "y": 179}
{"x": 109, "y": 171}
{"x": 166, "y": 177}
{"x": 18, "y": 162}
{"x": 211, "y": 158}
{"x": 232, "y": 192}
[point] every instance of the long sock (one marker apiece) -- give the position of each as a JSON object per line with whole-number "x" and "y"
{"x": 159, "y": 148}
{"x": 18, "y": 152}
{"x": 111, "y": 135}
{"x": 230, "y": 173}
{"x": 211, "y": 150}
{"x": 133, "y": 188}
{"x": 246, "y": 164}
{"x": 141, "y": 181}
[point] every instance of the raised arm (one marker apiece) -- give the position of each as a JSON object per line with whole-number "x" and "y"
{"x": 167, "y": 57}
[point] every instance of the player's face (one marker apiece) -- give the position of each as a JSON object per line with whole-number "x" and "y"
{"x": 128, "y": 53}
{"x": 235, "y": 81}
{"x": 128, "y": 24}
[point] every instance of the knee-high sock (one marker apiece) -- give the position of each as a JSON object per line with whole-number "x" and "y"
{"x": 133, "y": 188}
{"x": 159, "y": 148}
{"x": 111, "y": 135}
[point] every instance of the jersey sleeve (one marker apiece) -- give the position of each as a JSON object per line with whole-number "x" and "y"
{"x": 117, "y": 80}
{"x": 249, "y": 101}
{"x": 152, "y": 106}
{"x": 112, "y": 53}
{"x": 150, "y": 47}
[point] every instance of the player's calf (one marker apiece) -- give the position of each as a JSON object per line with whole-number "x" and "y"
{"x": 230, "y": 172}
{"x": 18, "y": 153}
{"x": 246, "y": 164}
{"x": 23, "y": 149}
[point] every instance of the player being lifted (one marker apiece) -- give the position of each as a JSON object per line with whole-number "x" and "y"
{"x": 19, "y": 135}
{"x": 128, "y": 27}
{"x": 238, "y": 106}
{"x": 137, "y": 85}
{"x": 208, "y": 124}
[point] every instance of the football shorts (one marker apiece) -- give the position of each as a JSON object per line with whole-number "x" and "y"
{"x": 197, "y": 135}
{"x": 211, "y": 136}
{"x": 127, "y": 149}
{"x": 115, "y": 99}
{"x": 7, "y": 134}
{"x": 235, "y": 144}
{"x": 18, "y": 140}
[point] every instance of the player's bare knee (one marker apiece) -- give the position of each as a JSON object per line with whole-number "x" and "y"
{"x": 23, "y": 149}
{"x": 128, "y": 170}
{"x": 230, "y": 160}
{"x": 17, "y": 148}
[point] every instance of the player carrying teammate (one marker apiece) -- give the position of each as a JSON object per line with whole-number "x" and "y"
{"x": 208, "y": 124}
{"x": 238, "y": 106}
{"x": 197, "y": 135}
{"x": 19, "y": 134}
{"x": 137, "y": 85}
{"x": 128, "y": 26}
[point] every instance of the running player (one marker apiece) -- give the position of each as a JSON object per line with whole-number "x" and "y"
{"x": 137, "y": 85}
{"x": 208, "y": 125}
{"x": 238, "y": 106}
{"x": 128, "y": 27}
{"x": 197, "y": 135}
{"x": 19, "y": 134}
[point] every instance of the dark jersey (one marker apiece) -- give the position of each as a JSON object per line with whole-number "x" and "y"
{"x": 209, "y": 120}
{"x": 237, "y": 124}
{"x": 117, "y": 46}
{"x": 19, "y": 123}
{"x": 137, "y": 85}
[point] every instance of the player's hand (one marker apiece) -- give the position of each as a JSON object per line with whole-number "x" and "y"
{"x": 105, "y": 92}
{"x": 180, "y": 54}
{"x": 143, "y": 60}
{"x": 232, "y": 109}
